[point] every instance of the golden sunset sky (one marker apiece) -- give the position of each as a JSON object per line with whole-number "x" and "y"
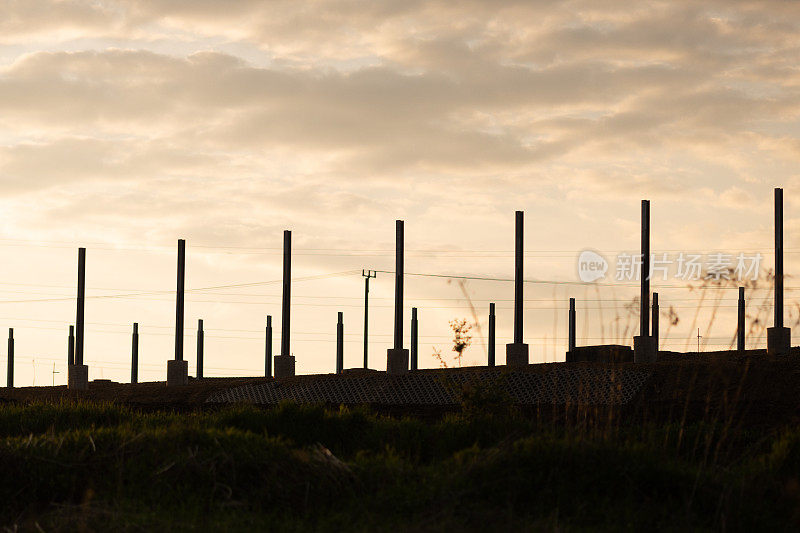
{"x": 125, "y": 126}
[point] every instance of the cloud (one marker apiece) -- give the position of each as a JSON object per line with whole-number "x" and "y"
{"x": 20, "y": 19}
{"x": 393, "y": 95}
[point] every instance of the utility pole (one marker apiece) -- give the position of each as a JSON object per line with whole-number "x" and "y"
{"x": 367, "y": 275}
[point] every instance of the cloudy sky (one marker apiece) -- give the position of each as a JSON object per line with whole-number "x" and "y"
{"x": 127, "y": 125}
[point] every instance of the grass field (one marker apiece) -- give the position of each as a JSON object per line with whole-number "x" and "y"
{"x": 94, "y": 466}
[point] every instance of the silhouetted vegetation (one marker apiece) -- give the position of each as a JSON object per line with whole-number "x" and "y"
{"x": 72, "y": 466}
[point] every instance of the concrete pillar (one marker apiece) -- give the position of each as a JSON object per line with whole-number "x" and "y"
{"x": 178, "y": 368}
{"x": 179, "y": 300}
{"x": 71, "y": 347}
{"x": 200, "y": 339}
{"x": 286, "y": 300}
{"x": 740, "y": 322}
{"x": 285, "y": 363}
{"x": 80, "y": 308}
{"x": 135, "y": 353}
{"x": 397, "y": 357}
{"x": 10, "y": 372}
{"x": 284, "y": 366}
{"x": 492, "y": 341}
{"x": 78, "y": 373}
{"x": 340, "y": 343}
{"x": 643, "y": 349}
{"x": 654, "y": 325}
{"x": 268, "y": 348}
{"x": 779, "y": 338}
{"x": 778, "y": 258}
{"x": 414, "y": 339}
{"x": 571, "y": 321}
{"x": 644, "y": 300}
{"x": 78, "y": 377}
{"x": 517, "y": 352}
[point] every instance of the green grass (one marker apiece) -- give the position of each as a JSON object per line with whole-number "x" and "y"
{"x": 96, "y": 467}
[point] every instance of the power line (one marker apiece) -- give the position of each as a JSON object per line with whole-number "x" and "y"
{"x": 388, "y": 298}
{"x": 148, "y": 293}
{"x": 551, "y": 282}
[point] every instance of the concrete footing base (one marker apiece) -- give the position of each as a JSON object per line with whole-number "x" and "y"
{"x": 606, "y": 353}
{"x": 644, "y": 349}
{"x": 516, "y": 354}
{"x": 77, "y": 377}
{"x": 779, "y": 340}
{"x": 284, "y": 366}
{"x": 397, "y": 361}
{"x": 177, "y": 373}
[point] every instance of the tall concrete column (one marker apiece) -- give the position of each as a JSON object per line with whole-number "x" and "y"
{"x": 644, "y": 298}
{"x": 340, "y": 343}
{"x": 517, "y": 352}
{"x": 779, "y": 338}
{"x": 397, "y": 356}
{"x": 571, "y": 322}
{"x": 778, "y": 258}
{"x": 414, "y": 339}
{"x": 740, "y": 322}
{"x": 78, "y": 373}
{"x": 10, "y": 371}
{"x": 135, "y": 353}
{"x": 643, "y": 349}
{"x": 178, "y": 368}
{"x": 80, "y": 307}
{"x": 200, "y": 348}
{"x": 179, "y": 300}
{"x": 492, "y": 340}
{"x": 285, "y": 362}
{"x": 268, "y": 348}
